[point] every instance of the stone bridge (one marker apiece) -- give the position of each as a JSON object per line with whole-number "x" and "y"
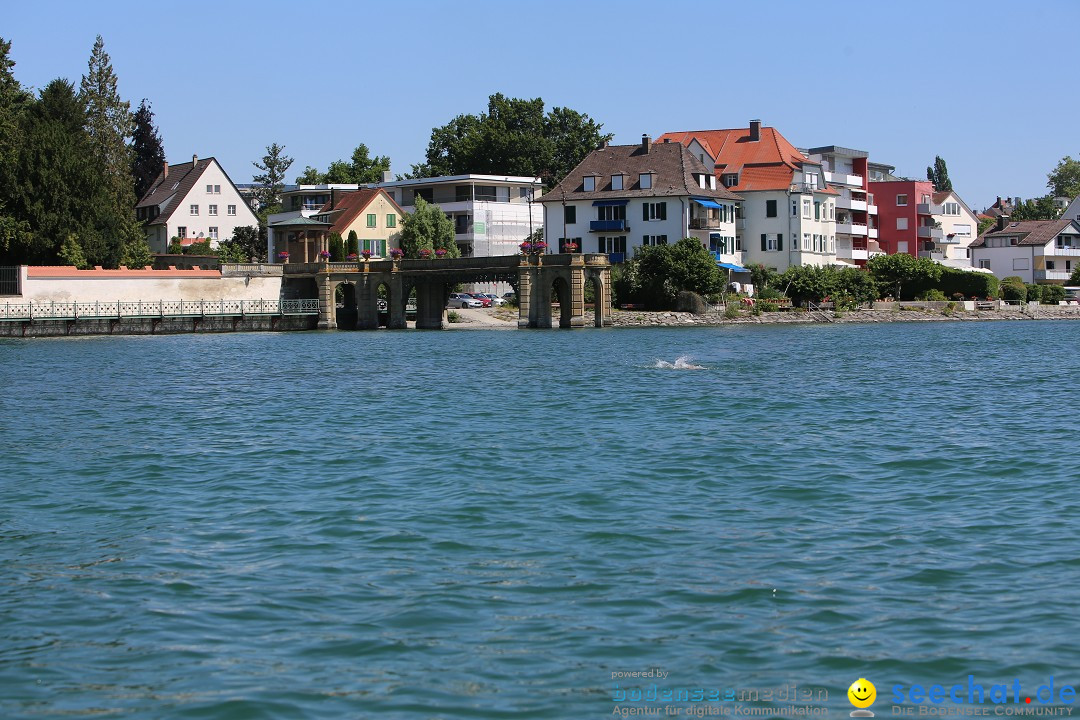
{"x": 537, "y": 278}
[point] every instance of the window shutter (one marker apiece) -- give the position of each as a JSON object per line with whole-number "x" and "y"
{"x": 764, "y": 242}
{"x": 645, "y": 212}
{"x": 663, "y": 211}
{"x": 779, "y": 241}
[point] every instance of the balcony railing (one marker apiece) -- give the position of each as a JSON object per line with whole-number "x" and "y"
{"x": 929, "y": 209}
{"x": 700, "y": 223}
{"x": 933, "y": 233}
{"x": 939, "y": 257}
{"x": 804, "y": 188}
{"x": 607, "y": 226}
{"x": 1072, "y": 251}
{"x": 616, "y": 258}
{"x": 1053, "y": 274}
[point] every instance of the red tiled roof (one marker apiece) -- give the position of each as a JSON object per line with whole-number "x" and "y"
{"x": 349, "y": 206}
{"x": 766, "y": 164}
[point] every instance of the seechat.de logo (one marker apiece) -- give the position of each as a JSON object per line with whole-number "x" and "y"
{"x": 862, "y": 695}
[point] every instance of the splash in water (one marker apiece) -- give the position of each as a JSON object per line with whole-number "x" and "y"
{"x": 681, "y": 363}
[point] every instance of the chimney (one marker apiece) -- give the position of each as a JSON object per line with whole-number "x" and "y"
{"x": 1003, "y": 220}
{"x": 165, "y": 170}
{"x": 194, "y": 159}
{"x": 333, "y": 198}
{"x": 604, "y": 144}
{"x": 755, "y": 130}
{"x": 387, "y": 176}
{"x": 646, "y": 143}
{"x": 998, "y": 203}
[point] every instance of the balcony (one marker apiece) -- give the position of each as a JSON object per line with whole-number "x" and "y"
{"x": 858, "y": 254}
{"x": 851, "y": 228}
{"x": 929, "y": 209}
{"x": 1052, "y": 275}
{"x": 953, "y": 240}
{"x": 843, "y": 178}
{"x": 849, "y": 204}
{"x": 935, "y": 256}
{"x": 616, "y": 258}
{"x": 931, "y": 233}
{"x": 871, "y": 233}
{"x": 740, "y": 224}
{"x": 803, "y": 188}
{"x": 1065, "y": 251}
{"x": 699, "y": 223}
{"x": 607, "y": 226}
{"x": 871, "y": 208}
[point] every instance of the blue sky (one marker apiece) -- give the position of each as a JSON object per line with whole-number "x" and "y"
{"x": 984, "y": 84}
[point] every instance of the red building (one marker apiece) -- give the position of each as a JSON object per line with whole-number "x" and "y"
{"x": 905, "y": 215}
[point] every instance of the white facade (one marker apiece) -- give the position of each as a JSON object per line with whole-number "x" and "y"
{"x": 959, "y": 228}
{"x": 67, "y": 285}
{"x": 211, "y": 210}
{"x": 785, "y": 228}
{"x": 492, "y": 214}
{"x": 618, "y": 227}
{"x": 856, "y": 213}
{"x": 1052, "y": 263}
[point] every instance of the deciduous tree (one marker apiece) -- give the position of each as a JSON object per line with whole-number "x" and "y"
{"x": 427, "y": 228}
{"x": 1064, "y": 180}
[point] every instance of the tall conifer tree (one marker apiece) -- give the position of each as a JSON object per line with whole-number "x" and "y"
{"x": 149, "y": 153}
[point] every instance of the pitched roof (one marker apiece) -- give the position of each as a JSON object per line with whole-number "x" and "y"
{"x": 736, "y": 152}
{"x": 349, "y": 205}
{"x": 168, "y": 191}
{"x": 674, "y": 167}
{"x": 1032, "y": 232}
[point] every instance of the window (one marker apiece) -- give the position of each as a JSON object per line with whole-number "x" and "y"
{"x": 817, "y": 210}
{"x": 962, "y": 230}
{"x": 576, "y": 241}
{"x": 984, "y": 264}
{"x": 213, "y": 233}
{"x": 231, "y": 209}
{"x": 952, "y": 208}
{"x": 806, "y": 240}
{"x": 832, "y": 211}
{"x": 371, "y": 220}
{"x": 570, "y": 214}
{"x": 181, "y": 232}
{"x": 901, "y": 200}
{"x": 462, "y": 223}
{"x": 1022, "y": 264}
{"x": 194, "y": 209}
{"x": 611, "y": 212}
{"x": 487, "y": 193}
{"x": 654, "y": 211}
{"x": 729, "y": 179}
{"x": 210, "y": 189}
{"x": 901, "y": 223}
{"x": 589, "y": 183}
{"x": 211, "y": 210}
{"x": 654, "y": 239}
{"x": 645, "y": 181}
{"x": 770, "y": 242}
{"x": 806, "y": 209}
{"x": 391, "y": 220}
{"x": 1064, "y": 241}
{"x": 462, "y": 193}
{"x": 794, "y": 208}
{"x": 925, "y": 199}
{"x": 719, "y": 244}
{"x": 523, "y": 192}
{"x": 612, "y": 244}
{"x": 616, "y": 182}
{"x": 770, "y": 208}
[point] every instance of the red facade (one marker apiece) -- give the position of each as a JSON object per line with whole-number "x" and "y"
{"x": 888, "y": 196}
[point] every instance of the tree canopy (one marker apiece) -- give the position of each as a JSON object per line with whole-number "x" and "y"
{"x": 275, "y": 163}
{"x": 657, "y": 274}
{"x": 360, "y": 169}
{"x": 149, "y": 153}
{"x": 427, "y": 228}
{"x": 514, "y": 137}
{"x": 939, "y": 175}
{"x": 1064, "y": 180}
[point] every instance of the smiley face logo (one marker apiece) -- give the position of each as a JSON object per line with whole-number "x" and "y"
{"x": 862, "y": 694}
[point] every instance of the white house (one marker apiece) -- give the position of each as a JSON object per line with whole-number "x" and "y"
{"x": 622, "y": 197}
{"x": 1038, "y": 251}
{"x": 959, "y": 228}
{"x": 195, "y": 201}
{"x": 788, "y": 209}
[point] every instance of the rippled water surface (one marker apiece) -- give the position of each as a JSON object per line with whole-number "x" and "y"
{"x": 484, "y": 524}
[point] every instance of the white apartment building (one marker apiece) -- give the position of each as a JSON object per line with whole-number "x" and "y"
{"x": 848, "y": 172}
{"x": 622, "y": 197}
{"x": 1037, "y": 251}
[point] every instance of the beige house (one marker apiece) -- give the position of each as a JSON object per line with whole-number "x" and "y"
{"x": 371, "y": 213}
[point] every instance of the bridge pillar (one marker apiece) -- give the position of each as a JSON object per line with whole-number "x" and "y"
{"x": 327, "y": 302}
{"x": 367, "y": 302}
{"x": 524, "y": 294}
{"x": 396, "y": 302}
{"x": 577, "y": 292}
{"x": 430, "y": 305}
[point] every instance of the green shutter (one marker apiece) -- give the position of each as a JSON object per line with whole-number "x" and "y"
{"x": 764, "y": 243}
{"x": 663, "y": 211}
{"x": 779, "y": 241}
{"x": 645, "y": 212}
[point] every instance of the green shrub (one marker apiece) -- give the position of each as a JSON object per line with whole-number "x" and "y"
{"x": 755, "y": 309}
{"x": 968, "y": 284}
{"x": 767, "y": 306}
{"x": 1013, "y": 292}
{"x": 1052, "y": 294}
{"x": 452, "y": 316}
{"x": 1034, "y": 293}
{"x": 336, "y": 246}
{"x": 731, "y": 311}
{"x": 769, "y": 294}
{"x": 934, "y": 295}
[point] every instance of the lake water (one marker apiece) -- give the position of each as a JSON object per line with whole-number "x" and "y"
{"x": 486, "y": 524}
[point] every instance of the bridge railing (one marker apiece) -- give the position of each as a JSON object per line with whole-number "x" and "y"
{"x": 143, "y": 309}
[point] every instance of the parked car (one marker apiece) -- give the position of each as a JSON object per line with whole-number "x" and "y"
{"x": 463, "y": 300}
{"x": 484, "y": 299}
{"x": 509, "y": 296}
{"x": 495, "y": 299}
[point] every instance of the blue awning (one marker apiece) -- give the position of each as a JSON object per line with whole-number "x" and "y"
{"x": 705, "y": 202}
{"x": 609, "y": 203}
{"x": 715, "y": 236}
{"x": 734, "y": 268}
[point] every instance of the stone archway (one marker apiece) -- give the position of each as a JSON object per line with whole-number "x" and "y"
{"x": 560, "y": 290}
{"x": 347, "y": 314}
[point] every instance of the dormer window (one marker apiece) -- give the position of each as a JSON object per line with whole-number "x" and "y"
{"x": 616, "y": 182}
{"x": 589, "y": 183}
{"x": 730, "y": 179}
{"x": 645, "y": 181}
